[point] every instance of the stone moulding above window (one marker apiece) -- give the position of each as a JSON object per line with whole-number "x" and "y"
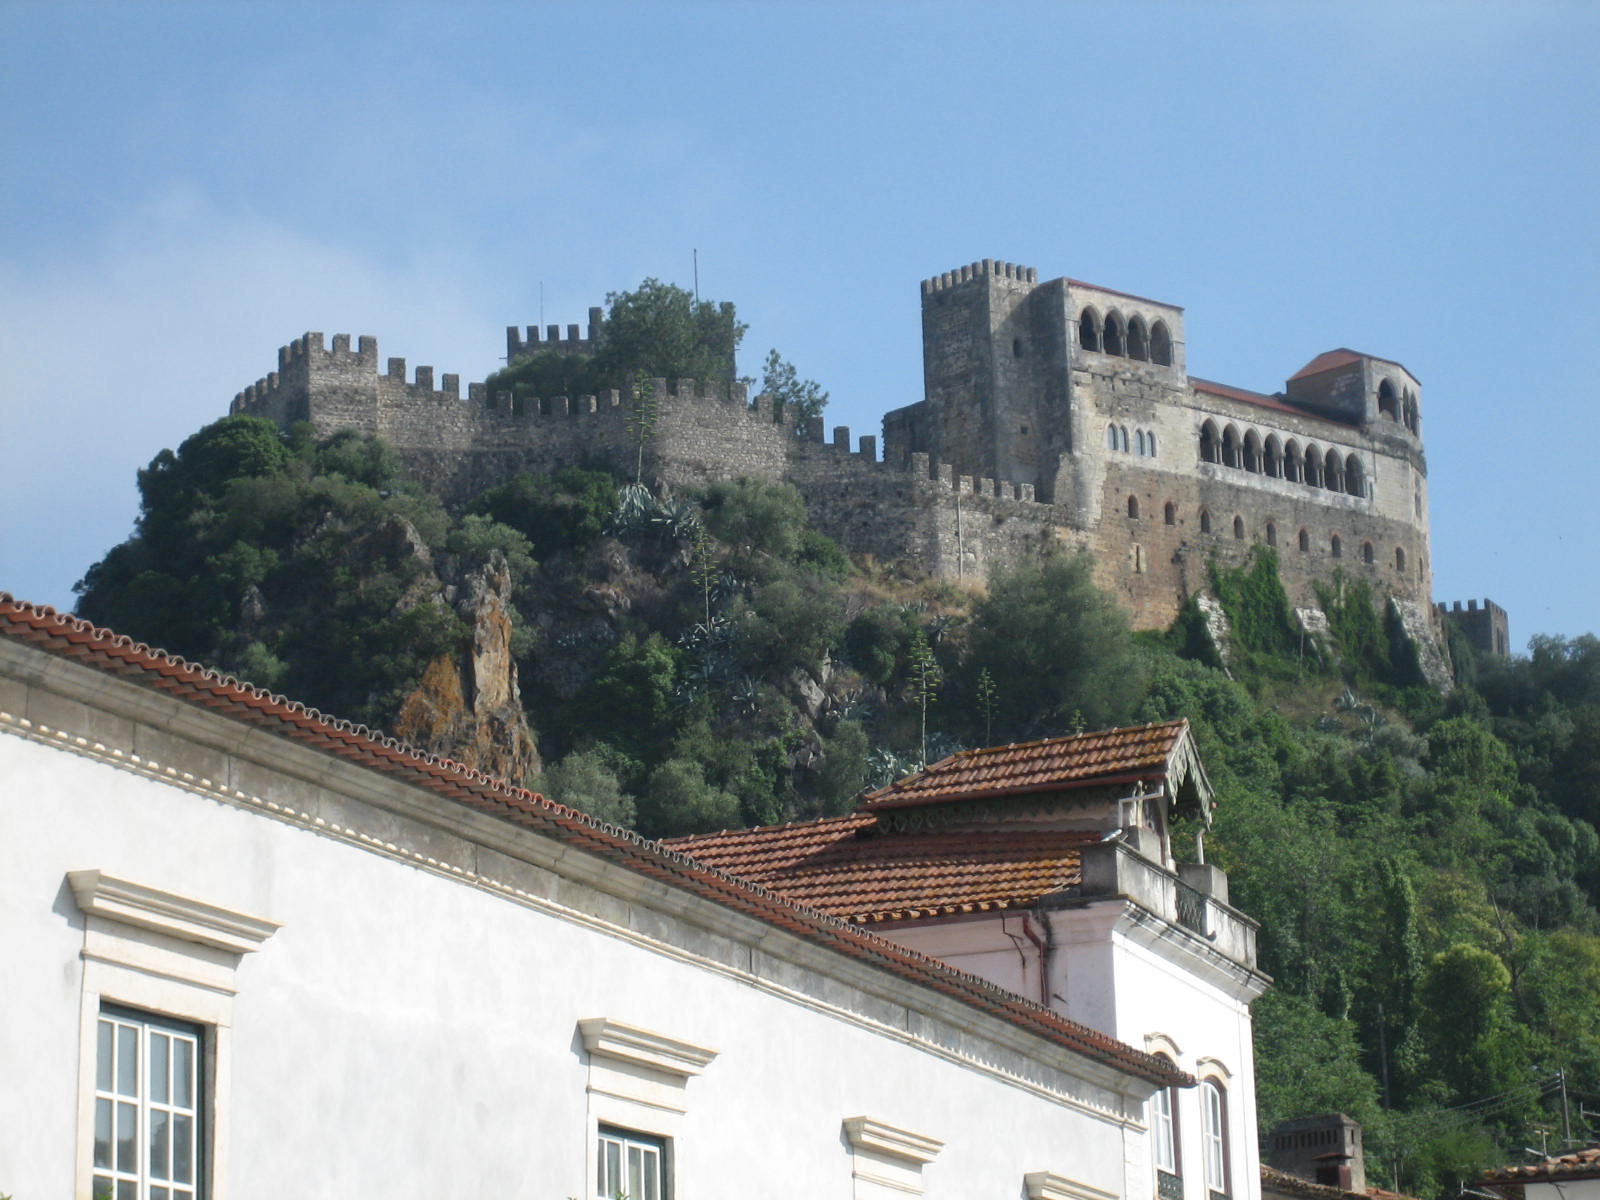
{"x": 1046, "y": 1185}
{"x": 886, "y": 1161}
{"x": 866, "y": 1134}
{"x": 637, "y": 1047}
{"x": 121, "y": 900}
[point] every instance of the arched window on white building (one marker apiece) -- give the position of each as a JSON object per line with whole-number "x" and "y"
{"x": 1214, "y": 1136}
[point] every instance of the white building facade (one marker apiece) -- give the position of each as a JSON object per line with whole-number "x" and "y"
{"x": 251, "y": 951}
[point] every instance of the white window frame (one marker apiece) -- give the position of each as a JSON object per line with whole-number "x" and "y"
{"x": 1164, "y": 1132}
{"x": 165, "y": 1102}
{"x": 1214, "y": 1135}
{"x": 635, "y": 1159}
{"x": 158, "y": 952}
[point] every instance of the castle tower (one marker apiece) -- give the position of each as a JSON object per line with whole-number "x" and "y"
{"x": 994, "y": 355}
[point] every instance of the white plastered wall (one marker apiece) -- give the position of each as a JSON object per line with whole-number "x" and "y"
{"x": 413, "y": 1025}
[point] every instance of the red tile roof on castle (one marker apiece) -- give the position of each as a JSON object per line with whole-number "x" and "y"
{"x": 1053, "y": 764}
{"x": 843, "y": 867}
{"x": 1262, "y": 400}
{"x": 1329, "y": 360}
{"x": 67, "y": 637}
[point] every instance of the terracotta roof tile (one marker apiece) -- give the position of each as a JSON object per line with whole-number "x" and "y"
{"x": 1085, "y": 759}
{"x": 1261, "y": 400}
{"x": 1328, "y": 360}
{"x": 65, "y": 636}
{"x": 844, "y": 868}
{"x": 1578, "y": 1164}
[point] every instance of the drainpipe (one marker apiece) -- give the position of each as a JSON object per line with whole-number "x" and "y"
{"x": 1046, "y": 947}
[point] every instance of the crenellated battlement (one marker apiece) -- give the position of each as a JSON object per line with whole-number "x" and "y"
{"x": 520, "y": 345}
{"x": 987, "y": 267}
{"x": 1053, "y": 415}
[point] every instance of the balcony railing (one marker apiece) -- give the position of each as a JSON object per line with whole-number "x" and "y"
{"x": 1169, "y": 1186}
{"x": 1192, "y": 909}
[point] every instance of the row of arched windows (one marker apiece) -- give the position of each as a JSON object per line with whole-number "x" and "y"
{"x": 1143, "y": 443}
{"x": 1268, "y": 456}
{"x": 1130, "y": 338}
{"x": 1399, "y": 406}
{"x": 1369, "y": 553}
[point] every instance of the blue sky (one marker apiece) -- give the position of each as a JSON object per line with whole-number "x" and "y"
{"x": 192, "y": 186}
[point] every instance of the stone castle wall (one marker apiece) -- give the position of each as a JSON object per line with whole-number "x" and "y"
{"x": 1032, "y": 435}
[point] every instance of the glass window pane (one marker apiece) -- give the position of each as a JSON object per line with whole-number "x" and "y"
{"x": 103, "y": 1056}
{"x": 182, "y": 1148}
{"x": 102, "y": 1189}
{"x": 652, "y": 1176}
{"x": 127, "y": 1189}
{"x": 127, "y": 1060}
{"x": 127, "y": 1138}
{"x": 160, "y": 1193}
{"x": 160, "y": 1056}
{"x": 160, "y": 1145}
{"x": 102, "y": 1133}
{"x": 183, "y": 1065}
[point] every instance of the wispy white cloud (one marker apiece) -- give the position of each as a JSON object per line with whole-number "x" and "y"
{"x": 148, "y": 336}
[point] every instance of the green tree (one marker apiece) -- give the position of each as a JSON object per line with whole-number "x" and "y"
{"x": 803, "y": 398}
{"x": 1061, "y": 645}
{"x": 585, "y": 780}
{"x": 662, "y": 332}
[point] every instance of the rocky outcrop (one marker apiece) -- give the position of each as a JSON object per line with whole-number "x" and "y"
{"x": 471, "y": 710}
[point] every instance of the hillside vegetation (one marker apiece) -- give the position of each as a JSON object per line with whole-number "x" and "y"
{"x": 1425, "y": 867}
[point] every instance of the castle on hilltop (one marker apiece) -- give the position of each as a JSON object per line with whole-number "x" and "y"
{"x": 1055, "y": 414}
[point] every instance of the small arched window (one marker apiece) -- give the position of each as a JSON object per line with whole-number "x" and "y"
{"x": 1170, "y": 513}
{"x": 1399, "y": 559}
{"x": 1111, "y": 437}
{"x": 1133, "y": 507}
{"x": 1160, "y": 345}
{"x": 1205, "y": 521}
{"x": 1122, "y": 437}
{"x": 1355, "y": 481}
{"x": 1238, "y": 529}
{"x": 1089, "y": 330}
{"x": 1368, "y": 555}
{"x": 1291, "y": 461}
{"x": 1313, "y": 467}
{"x": 1138, "y": 340}
{"x": 1138, "y": 438}
{"x": 1214, "y": 1135}
{"x": 1336, "y": 546}
{"x": 1252, "y": 452}
{"x": 1305, "y": 542}
{"x": 1112, "y": 341}
{"x": 1150, "y": 442}
{"x": 1210, "y": 448}
{"x": 1388, "y": 402}
{"x": 1272, "y": 534}
{"x": 1230, "y": 447}
{"x": 1272, "y": 457}
{"x": 1333, "y": 472}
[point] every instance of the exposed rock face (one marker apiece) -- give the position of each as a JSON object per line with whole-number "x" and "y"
{"x": 471, "y": 710}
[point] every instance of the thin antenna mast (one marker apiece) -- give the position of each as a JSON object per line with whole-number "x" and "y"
{"x": 697, "y": 276}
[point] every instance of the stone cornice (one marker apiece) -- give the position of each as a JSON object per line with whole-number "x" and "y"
{"x": 105, "y": 896}
{"x": 641, "y": 1047}
{"x": 865, "y": 1133}
{"x": 1045, "y": 1185}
